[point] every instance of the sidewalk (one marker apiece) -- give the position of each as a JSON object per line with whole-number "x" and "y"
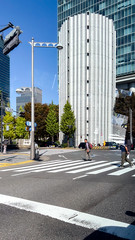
{"x": 14, "y": 157}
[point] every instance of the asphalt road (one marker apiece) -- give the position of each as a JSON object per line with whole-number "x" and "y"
{"x": 64, "y": 197}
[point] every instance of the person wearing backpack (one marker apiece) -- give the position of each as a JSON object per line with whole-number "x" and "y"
{"x": 88, "y": 148}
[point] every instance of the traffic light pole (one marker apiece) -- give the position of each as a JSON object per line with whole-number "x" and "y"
{"x": 46, "y": 45}
{"x": 32, "y": 154}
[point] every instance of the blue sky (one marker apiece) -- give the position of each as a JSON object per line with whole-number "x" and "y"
{"x": 38, "y": 19}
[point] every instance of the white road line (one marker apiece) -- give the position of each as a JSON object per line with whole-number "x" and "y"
{"x": 79, "y": 165}
{"x": 80, "y": 177}
{"x": 89, "y": 168}
{"x": 14, "y": 175}
{"x": 40, "y": 164}
{"x": 116, "y": 228}
{"x": 104, "y": 169}
{"x": 122, "y": 171}
{"x": 61, "y": 165}
{"x": 62, "y": 156}
{"x": 41, "y": 169}
{"x": 48, "y": 166}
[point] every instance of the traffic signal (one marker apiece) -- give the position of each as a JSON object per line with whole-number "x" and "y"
{"x": 11, "y": 40}
{"x": 22, "y": 114}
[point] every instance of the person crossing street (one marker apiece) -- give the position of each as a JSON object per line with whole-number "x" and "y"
{"x": 88, "y": 150}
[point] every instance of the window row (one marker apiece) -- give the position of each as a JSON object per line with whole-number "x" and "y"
{"x": 125, "y": 49}
{"x": 125, "y": 58}
{"x": 126, "y": 30}
{"x": 126, "y": 39}
{"x": 126, "y": 68}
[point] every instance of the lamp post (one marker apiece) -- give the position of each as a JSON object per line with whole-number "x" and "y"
{"x": 37, "y": 44}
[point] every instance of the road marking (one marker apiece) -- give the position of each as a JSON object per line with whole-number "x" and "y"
{"x": 80, "y": 177}
{"x": 89, "y": 168}
{"x": 62, "y": 156}
{"x": 61, "y": 165}
{"x": 116, "y": 228}
{"x": 47, "y": 163}
{"x": 14, "y": 164}
{"x": 79, "y": 165}
{"x": 44, "y": 166}
{"x": 122, "y": 171}
{"x": 104, "y": 169}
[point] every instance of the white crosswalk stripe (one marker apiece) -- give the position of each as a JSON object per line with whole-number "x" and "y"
{"x": 122, "y": 171}
{"x": 93, "y": 167}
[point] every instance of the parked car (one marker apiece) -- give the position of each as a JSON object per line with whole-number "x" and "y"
{"x": 51, "y": 144}
{"x": 112, "y": 145}
{"x": 82, "y": 145}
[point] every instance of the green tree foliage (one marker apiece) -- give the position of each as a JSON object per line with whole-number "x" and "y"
{"x": 52, "y": 125}
{"x": 20, "y": 128}
{"x": 122, "y": 106}
{"x": 67, "y": 124}
{"x": 9, "y": 126}
{"x": 41, "y": 112}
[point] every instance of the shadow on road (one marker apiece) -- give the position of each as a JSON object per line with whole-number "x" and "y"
{"x": 97, "y": 235}
{"x": 113, "y": 233}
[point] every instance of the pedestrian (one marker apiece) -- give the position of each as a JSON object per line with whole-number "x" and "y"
{"x": 87, "y": 150}
{"x": 124, "y": 156}
{"x": 128, "y": 143}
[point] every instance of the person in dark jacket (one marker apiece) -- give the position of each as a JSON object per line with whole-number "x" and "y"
{"x": 124, "y": 154}
{"x": 87, "y": 150}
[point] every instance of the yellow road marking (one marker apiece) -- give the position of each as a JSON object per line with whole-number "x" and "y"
{"x": 13, "y": 164}
{"x": 10, "y": 154}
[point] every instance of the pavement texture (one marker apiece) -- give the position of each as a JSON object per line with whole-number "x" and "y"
{"x": 14, "y": 157}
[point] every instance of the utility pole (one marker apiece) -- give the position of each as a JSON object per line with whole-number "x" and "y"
{"x": 130, "y": 116}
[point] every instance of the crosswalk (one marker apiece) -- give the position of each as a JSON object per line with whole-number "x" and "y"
{"x": 71, "y": 167}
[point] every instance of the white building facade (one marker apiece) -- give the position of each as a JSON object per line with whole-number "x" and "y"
{"x": 87, "y": 74}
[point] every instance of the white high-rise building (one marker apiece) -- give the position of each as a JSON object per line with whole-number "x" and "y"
{"x": 87, "y": 74}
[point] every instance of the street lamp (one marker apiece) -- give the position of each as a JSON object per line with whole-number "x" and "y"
{"x": 37, "y": 44}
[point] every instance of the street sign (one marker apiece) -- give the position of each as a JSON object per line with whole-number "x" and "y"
{"x": 29, "y": 124}
{"x": 7, "y": 109}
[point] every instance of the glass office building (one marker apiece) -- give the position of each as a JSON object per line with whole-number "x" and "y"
{"x": 25, "y": 97}
{"x": 123, "y": 14}
{"x": 4, "y": 73}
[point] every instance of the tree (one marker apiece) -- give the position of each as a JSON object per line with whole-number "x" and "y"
{"x": 52, "y": 125}
{"x": 41, "y": 111}
{"x": 122, "y": 106}
{"x": 67, "y": 124}
{"x": 9, "y": 126}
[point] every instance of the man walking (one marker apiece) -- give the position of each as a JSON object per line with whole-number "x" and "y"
{"x": 124, "y": 154}
{"x": 87, "y": 150}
